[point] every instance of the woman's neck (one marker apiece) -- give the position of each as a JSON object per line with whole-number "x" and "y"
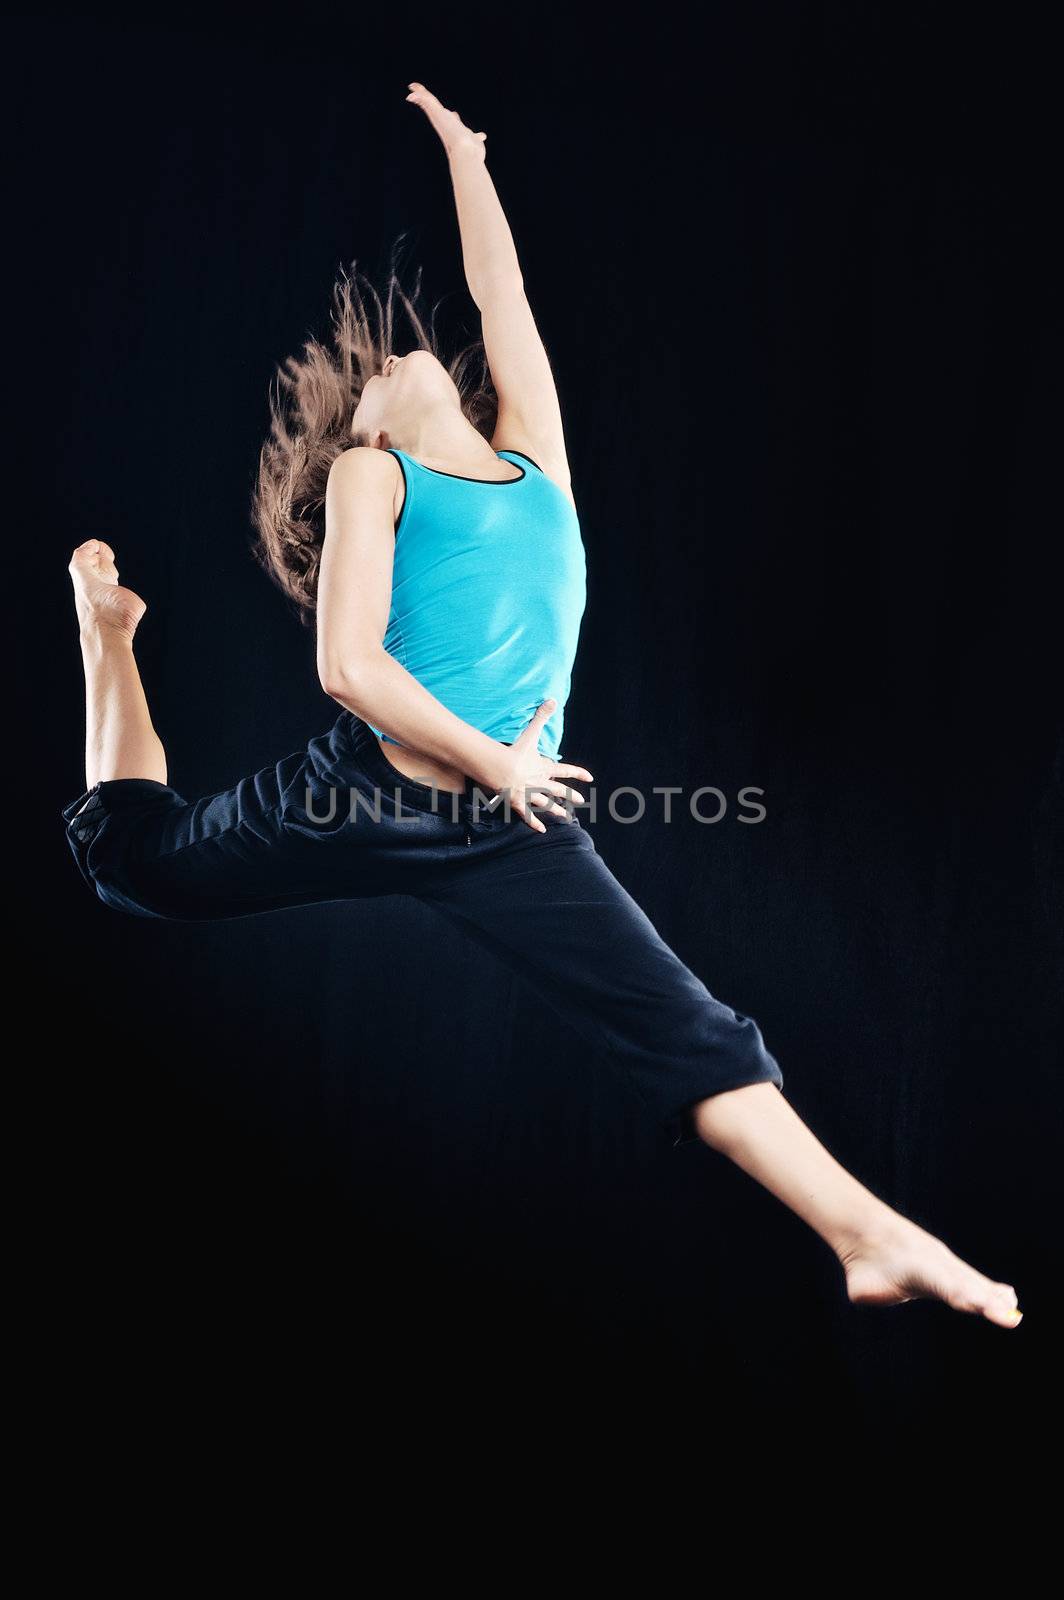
{"x": 444, "y": 440}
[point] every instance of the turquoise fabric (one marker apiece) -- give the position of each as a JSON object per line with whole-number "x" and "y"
{"x": 488, "y": 592}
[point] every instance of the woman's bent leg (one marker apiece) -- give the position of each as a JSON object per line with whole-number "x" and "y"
{"x": 315, "y": 827}
{"x": 148, "y": 850}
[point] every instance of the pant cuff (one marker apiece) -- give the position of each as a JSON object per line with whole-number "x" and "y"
{"x": 679, "y": 1126}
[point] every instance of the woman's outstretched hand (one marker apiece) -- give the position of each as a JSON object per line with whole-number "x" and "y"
{"x": 530, "y": 780}
{"x": 454, "y": 135}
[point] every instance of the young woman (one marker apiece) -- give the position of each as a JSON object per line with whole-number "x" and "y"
{"x": 422, "y": 514}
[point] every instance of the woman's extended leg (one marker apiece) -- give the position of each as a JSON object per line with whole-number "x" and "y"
{"x": 548, "y": 905}
{"x": 886, "y": 1258}
{"x": 120, "y": 741}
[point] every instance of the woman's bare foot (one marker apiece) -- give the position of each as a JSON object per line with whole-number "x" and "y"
{"x": 897, "y": 1261}
{"x": 102, "y": 603}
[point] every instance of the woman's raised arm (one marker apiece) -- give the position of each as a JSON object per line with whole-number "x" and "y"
{"x": 529, "y": 412}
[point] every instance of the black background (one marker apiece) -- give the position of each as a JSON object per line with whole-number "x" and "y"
{"x": 791, "y": 266}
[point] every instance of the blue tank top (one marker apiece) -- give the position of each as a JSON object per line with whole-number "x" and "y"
{"x": 488, "y": 592}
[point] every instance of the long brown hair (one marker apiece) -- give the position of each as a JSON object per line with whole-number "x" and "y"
{"x": 311, "y": 401}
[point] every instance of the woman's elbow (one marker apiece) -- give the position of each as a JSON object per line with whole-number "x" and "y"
{"x": 335, "y": 680}
{"x": 344, "y": 680}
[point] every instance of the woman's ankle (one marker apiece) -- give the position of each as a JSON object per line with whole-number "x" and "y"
{"x": 870, "y": 1228}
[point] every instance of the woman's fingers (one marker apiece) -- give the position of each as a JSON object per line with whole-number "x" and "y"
{"x": 443, "y": 119}
{"x": 525, "y": 803}
{"x": 528, "y": 815}
{"x": 437, "y": 114}
{"x": 566, "y": 790}
{"x": 548, "y": 783}
{"x": 541, "y": 715}
{"x": 542, "y": 799}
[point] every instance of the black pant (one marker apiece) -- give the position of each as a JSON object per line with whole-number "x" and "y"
{"x": 338, "y": 821}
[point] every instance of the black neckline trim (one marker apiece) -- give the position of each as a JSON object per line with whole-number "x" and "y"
{"x": 491, "y": 482}
{"x": 521, "y": 453}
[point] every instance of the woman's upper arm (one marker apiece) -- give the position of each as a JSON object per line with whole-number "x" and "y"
{"x": 355, "y": 577}
{"x": 530, "y": 416}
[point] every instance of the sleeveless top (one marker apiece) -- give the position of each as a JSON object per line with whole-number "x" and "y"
{"x": 488, "y": 592}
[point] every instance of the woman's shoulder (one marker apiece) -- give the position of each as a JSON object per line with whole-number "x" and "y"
{"x": 364, "y": 465}
{"x": 369, "y": 475}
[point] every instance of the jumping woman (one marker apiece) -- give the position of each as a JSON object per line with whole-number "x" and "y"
{"x": 420, "y": 513}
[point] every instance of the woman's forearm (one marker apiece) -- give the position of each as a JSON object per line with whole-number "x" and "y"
{"x": 381, "y": 691}
{"x": 488, "y": 251}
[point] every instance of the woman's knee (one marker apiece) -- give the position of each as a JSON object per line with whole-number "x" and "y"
{"x": 116, "y": 831}
{"x": 117, "y": 892}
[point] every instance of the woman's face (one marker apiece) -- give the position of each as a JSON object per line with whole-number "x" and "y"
{"x": 395, "y": 399}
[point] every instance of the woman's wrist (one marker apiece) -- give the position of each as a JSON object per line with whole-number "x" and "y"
{"x": 494, "y": 771}
{"x": 466, "y": 150}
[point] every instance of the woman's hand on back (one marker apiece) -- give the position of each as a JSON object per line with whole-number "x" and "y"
{"x": 453, "y": 133}
{"x": 531, "y": 780}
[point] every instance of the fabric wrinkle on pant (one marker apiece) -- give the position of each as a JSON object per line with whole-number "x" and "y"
{"x": 306, "y": 831}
